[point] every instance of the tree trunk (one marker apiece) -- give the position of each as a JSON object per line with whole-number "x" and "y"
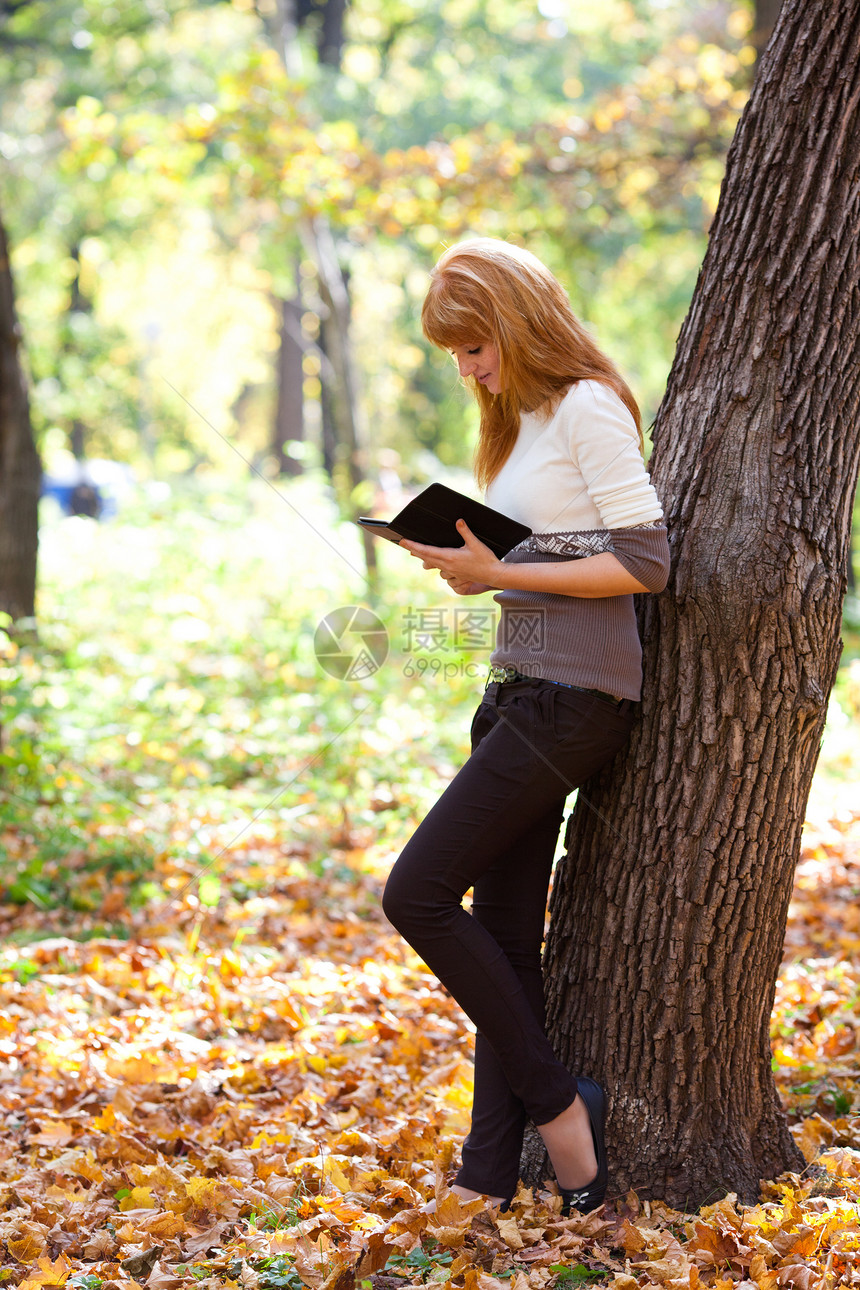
{"x": 20, "y": 470}
{"x": 289, "y": 410}
{"x": 669, "y": 911}
{"x": 330, "y": 41}
{"x": 78, "y": 304}
{"x": 328, "y": 18}
{"x": 348, "y": 471}
{"x": 327, "y": 421}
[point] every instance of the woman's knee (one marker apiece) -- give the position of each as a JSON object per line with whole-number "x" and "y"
{"x": 401, "y": 903}
{"x": 394, "y": 901}
{"x": 411, "y": 900}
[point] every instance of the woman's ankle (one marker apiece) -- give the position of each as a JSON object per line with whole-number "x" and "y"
{"x": 570, "y": 1145}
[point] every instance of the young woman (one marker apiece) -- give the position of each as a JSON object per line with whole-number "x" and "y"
{"x": 560, "y": 449}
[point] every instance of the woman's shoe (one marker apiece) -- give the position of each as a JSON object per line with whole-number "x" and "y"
{"x": 587, "y": 1198}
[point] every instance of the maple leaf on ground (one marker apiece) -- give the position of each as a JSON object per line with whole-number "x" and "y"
{"x": 718, "y": 1245}
{"x": 100, "y": 1245}
{"x": 540, "y": 1252}
{"x": 140, "y": 1265}
{"x": 164, "y": 1279}
{"x": 199, "y": 1242}
{"x": 798, "y": 1276}
{"x": 49, "y": 1273}
{"x": 814, "y": 1133}
{"x": 29, "y": 1244}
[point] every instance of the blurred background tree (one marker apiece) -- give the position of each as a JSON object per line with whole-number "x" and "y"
{"x": 208, "y": 132}
{"x": 20, "y": 471}
{"x": 237, "y": 201}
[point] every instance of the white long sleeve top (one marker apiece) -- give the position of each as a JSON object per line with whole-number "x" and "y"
{"x": 577, "y": 479}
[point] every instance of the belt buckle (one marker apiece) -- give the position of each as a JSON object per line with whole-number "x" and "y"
{"x": 503, "y": 675}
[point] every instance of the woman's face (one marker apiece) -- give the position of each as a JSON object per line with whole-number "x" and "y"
{"x": 482, "y": 362}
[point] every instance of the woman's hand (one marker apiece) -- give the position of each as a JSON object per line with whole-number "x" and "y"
{"x": 465, "y": 588}
{"x": 471, "y": 566}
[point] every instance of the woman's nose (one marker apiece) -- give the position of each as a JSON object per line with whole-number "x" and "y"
{"x": 466, "y": 365}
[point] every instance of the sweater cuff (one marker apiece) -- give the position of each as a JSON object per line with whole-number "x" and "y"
{"x": 644, "y": 552}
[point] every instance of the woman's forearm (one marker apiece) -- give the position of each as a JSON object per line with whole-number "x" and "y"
{"x": 590, "y": 577}
{"x": 466, "y": 568}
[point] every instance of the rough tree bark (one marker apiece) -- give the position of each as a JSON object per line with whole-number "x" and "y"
{"x": 20, "y": 470}
{"x": 669, "y": 910}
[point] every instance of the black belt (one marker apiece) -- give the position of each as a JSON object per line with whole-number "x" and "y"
{"x": 504, "y": 675}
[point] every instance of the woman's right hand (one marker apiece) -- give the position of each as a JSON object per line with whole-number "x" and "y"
{"x": 465, "y": 588}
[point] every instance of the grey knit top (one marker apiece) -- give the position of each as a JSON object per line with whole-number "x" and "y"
{"x": 577, "y": 479}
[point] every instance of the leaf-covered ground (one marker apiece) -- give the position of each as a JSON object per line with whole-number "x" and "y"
{"x": 268, "y": 1091}
{"x": 220, "y": 1067}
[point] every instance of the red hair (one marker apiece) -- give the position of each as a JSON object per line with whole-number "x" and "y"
{"x": 488, "y": 291}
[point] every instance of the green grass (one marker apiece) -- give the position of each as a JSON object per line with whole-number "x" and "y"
{"x": 173, "y": 696}
{"x": 174, "y": 680}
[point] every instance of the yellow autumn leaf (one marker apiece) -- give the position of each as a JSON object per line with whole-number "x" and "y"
{"x": 27, "y": 1248}
{"x": 138, "y": 1198}
{"x": 333, "y": 1171}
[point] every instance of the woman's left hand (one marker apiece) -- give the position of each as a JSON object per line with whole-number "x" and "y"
{"x": 473, "y": 562}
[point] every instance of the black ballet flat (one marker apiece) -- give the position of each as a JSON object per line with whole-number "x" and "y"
{"x": 587, "y": 1198}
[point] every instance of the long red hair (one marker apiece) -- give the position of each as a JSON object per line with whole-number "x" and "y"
{"x": 488, "y": 291}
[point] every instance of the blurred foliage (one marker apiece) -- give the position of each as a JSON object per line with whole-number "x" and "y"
{"x": 161, "y": 160}
{"x": 173, "y": 697}
{"x": 174, "y": 676}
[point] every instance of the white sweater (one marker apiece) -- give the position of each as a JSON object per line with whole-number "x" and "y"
{"x": 579, "y": 482}
{"x": 581, "y": 469}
